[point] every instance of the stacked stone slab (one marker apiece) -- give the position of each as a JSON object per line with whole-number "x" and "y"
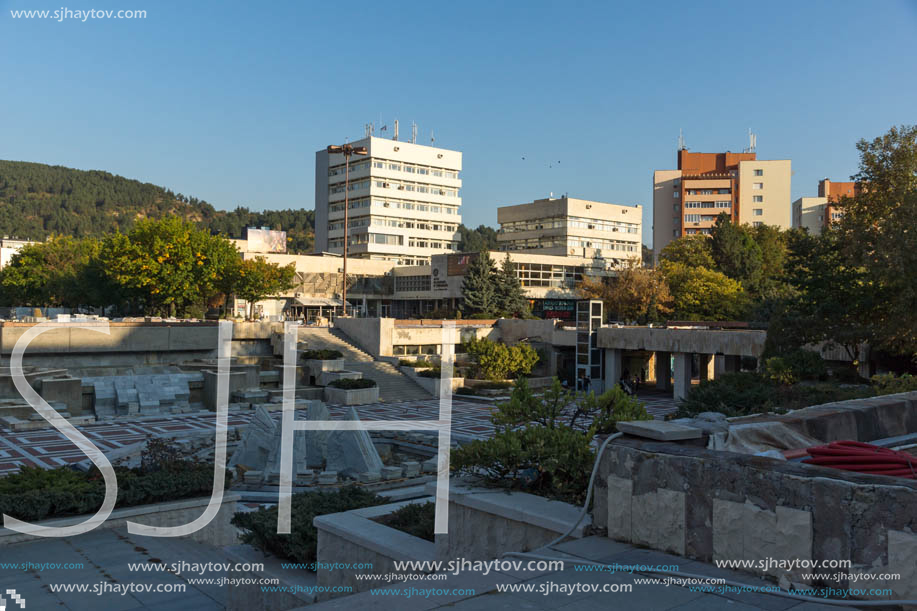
{"x": 141, "y": 393}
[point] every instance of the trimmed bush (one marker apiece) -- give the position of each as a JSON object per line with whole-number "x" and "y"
{"x": 348, "y": 384}
{"x": 300, "y": 545}
{"x": 436, "y": 372}
{"x": 746, "y": 393}
{"x": 417, "y": 363}
{"x": 796, "y": 366}
{"x": 36, "y": 494}
{"x": 415, "y": 519}
{"x": 322, "y": 355}
{"x": 497, "y": 361}
{"x": 889, "y": 383}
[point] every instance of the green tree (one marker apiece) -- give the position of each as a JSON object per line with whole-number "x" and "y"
{"x": 638, "y": 294}
{"x": 479, "y": 287}
{"x": 699, "y": 293}
{"x": 691, "y": 250}
{"x": 476, "y": 240}
{"x": 168, "y": 264}
{"x": 255, "y": 279}
{"x": 878, "y": 229}
{"x": 832, "y": 301}
{"x": 510, "y": 298}
{"x": 59, "y": 272}
{"x": 736, "y": 253}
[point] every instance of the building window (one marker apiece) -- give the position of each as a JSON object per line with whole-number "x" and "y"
{"x": 692, "y": 218}
{"x": 757, "y": 186}
{"x": 676, "y": 194}
{"x": 757, "y": 224}
{"x": 759, "y": 172}
{"x": 759, "y": 212}
{"x": 757, "y": 199}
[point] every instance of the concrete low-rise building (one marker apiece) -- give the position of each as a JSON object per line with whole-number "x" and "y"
{"x": 566, "y": 226}
{"x": 384, "y": 289}
{"x": 815, "y": 214}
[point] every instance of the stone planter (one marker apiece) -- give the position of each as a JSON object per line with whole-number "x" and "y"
{"x": 315, "y": 367}
{"x": 356, "y": 396}
{"x": 432, "y": 385}
{"x": 327, "y": 377}
{"x": 412, "y": 371}
{"x": 484, "y": 523}
{"x": 218, "y": 532}
{"x": 354, "y": 537}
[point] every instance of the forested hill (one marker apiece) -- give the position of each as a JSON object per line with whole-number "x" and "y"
{"x": 37, "y": 200}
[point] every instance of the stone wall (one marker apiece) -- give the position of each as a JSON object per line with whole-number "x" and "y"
{"x": 218, "y": 532}
{"x": 484, "y": 524}
{"x": 711, "y": 505}
{"x": 353, "y": 537}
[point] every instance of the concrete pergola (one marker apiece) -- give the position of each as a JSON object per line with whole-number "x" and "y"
{"x": 720, "y": 351}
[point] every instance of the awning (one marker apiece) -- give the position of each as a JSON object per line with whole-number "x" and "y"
{"x": 315, "y": 302}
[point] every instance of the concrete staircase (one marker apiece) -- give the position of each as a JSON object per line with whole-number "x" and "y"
{"x": 393, "y": 385}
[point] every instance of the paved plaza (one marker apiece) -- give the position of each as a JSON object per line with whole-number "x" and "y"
{"x": 643, "y": 597}
{"x": 49, "y": 449}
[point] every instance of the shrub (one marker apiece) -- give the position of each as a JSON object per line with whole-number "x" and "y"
{"x": 733, "y": 394}
{"x": 465, "y": 391}
{"x": 497, "y": 361}
{"x": 35, "y": 494}
{"x": 350, "y": 384}
{"x": 745, "y": 393}
{"x": 321, "y": 355}
{"x": 538, "y": 445}
{"x": 417, "y": 363}
{"x": 416, "y": 519}
{"x": 795, "y": 366}
{"x": 552, "y": 462}
{"x": 260, "y": 527}
{"x": 889, "y": 383}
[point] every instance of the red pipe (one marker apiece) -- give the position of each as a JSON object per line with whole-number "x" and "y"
{"x": 863, "y": 458}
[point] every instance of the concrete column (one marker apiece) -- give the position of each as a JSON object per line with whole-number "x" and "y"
{"x": 663, "y": 371}
{"x": 706, "y": 366}
{"x": 682, "y": 375}
{"x": 614, "y": 360}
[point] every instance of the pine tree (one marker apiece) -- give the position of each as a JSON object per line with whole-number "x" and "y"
{"x": 511, "y": 299}
{"x": 479, "y": 286}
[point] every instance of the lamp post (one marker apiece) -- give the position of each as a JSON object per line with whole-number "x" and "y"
{"x": 347, "y": 150}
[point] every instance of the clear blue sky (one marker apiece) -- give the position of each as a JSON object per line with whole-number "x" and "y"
{"x": 228, "y": 101}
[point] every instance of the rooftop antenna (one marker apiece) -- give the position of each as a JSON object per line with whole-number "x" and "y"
{"x": 752, "y": 141}
{"x": 413, "y": 133}
{"x": 681, "y": 140}
{"x": 432, "y": 137}
{"x": 368, "y": 130}
{"x": 395, "y": 136}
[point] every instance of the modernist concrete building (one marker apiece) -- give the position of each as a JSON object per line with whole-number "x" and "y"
{"x": 404, "y": 202}
{"x": 8, "y": 248}
{"x": 817, "y": 213}
{"x": 687, "y": 200}
{"x": 384, "y": 289}
{"x": 572, "y": 227}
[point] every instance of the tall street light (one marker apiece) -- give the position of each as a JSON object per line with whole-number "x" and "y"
{"x": 347, "y": 150}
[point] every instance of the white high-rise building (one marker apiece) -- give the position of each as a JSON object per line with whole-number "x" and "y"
{"x": 404, "y": 201}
